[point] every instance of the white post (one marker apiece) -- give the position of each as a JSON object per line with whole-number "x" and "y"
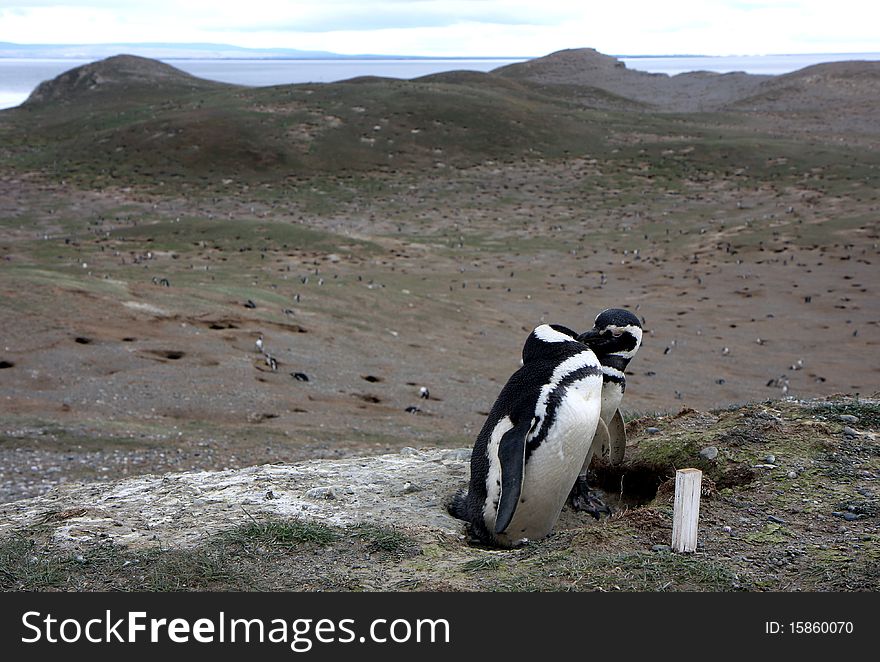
{"x": 687, "y": 509}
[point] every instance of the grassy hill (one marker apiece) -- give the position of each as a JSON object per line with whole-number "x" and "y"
{"x": 129, "y": 119}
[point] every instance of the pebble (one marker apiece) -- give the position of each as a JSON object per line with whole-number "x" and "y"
{"x": 652, "y": 430}
{"x": 726, "y": 529}
{"x": 848, "y": 418}
{"x": 792, "y": 474}
{"x": 709, "y": 453}
{"x": 849, "y": 517}
{"x": 321, "y": 493}
{"x": 770, "y": 459}
{"x": 778, "y": 520}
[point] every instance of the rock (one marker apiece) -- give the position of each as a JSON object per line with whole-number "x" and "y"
{"x": 145, "y": 512}
{"x": 321, "y": 493}
{"x": 652, "y": 430}
{"x": 848, "y": 418}
{"x": 770, "y": 459}
{"x": 458, "y": 455}
{"x": 726, "y": 529}
{"x": 777, "y": 520}
{"x": 792, "y": 474}
{"x": 709, "y": 453}
{"x": 661, "y": 548}
{"x": 848, "y": 516}
{"x": 407, "y": 451}
{"x": 850, "y": 432}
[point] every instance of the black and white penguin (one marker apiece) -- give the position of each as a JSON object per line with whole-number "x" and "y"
{"x": 532, "y": 446}
{"x": 615, "y": 338}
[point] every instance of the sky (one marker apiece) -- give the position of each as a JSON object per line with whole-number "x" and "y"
{"x": 478, "y": 28}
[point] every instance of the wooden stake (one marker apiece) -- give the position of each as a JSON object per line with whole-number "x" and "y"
{"x": 687, "y": 509}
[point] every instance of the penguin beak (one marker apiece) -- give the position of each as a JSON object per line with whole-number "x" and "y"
{"x": 587, "y": 336}
{"x": 593, "y": 339}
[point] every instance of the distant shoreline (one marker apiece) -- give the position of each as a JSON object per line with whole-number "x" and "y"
{"x": 444, "y": 58}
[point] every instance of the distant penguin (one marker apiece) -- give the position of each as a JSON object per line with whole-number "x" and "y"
{"x": 424, "y": 393}
{"x": 259, "y": 343}
{"x": 615, "y": 338}
{"x": 533, "y": 443}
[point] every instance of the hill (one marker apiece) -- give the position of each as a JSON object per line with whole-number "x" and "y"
{"x": 128, "y": 117}
{"x": 841, "y": 96}
{"x": 588, "y": 69}
{"x": 114, "y": 78}
{"x": 788, "y": 505}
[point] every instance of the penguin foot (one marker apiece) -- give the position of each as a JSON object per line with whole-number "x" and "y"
{"x": 584, "y": 500}
{"x": 456, "y": 505}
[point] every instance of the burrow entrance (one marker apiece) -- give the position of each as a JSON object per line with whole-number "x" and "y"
{"x": 628, "y": 485}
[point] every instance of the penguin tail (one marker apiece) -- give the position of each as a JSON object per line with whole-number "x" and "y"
{"x": 456, "y": 505}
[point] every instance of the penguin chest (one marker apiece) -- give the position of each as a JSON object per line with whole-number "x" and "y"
{"x": 552, "y": 468}
{"x": 612, "y": 396}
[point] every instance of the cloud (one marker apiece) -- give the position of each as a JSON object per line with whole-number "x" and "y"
{"x": 383, "y": 16}
{"x": 457, "y": 27}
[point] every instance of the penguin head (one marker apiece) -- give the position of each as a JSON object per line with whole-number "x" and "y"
{"x": 546, "y": 341}
{"x": 616, "y": 332}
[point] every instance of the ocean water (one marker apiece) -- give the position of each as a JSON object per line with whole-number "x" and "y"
{"x": 773, "y": 65}
{"x": 19, "y": 76}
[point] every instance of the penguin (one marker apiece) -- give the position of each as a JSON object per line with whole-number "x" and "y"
{"x": 533, "y": 443}
{"x": 259, "y": 344}
{"x": 615, "y": 338}
{"x": 424, "y": 393}
{"x": 271, "y": 362}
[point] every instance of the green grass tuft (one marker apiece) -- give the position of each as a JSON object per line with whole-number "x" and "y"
{"x": 279, "y": 533}
{"x": 384, "y": 539}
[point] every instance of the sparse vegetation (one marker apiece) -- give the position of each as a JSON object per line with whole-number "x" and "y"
{"x": 277, "y": 534}
{"x": 386, "y": 539}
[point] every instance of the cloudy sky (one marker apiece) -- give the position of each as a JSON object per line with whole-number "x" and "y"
{"x": 459, "y": 27}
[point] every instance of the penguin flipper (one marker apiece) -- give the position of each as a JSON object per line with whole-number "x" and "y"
{"x": 616, "y": 438}
{"x": 512, "y": 455}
